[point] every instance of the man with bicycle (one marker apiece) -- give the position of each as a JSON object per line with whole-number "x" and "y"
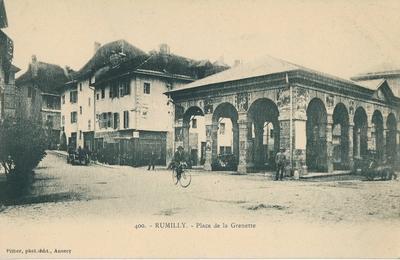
{"x": 179, "y": 165}
{"x": 178, "y": 161}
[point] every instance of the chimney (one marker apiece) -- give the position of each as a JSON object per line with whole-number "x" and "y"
{"x": 34, "y": 66}
{"x": 97, "y": 46}
{"x": 237, "y": 63}
{"x": 67, "y": 71}
{"x": 164, "y": 49}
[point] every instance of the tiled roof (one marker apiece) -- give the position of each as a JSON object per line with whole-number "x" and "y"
{"x": 102, "y": 56}
{"x": 263, "y": 66}
{"x": 161, "y": 64}
{"x": 371, "y": 84}
{"x": 50, "y": 78}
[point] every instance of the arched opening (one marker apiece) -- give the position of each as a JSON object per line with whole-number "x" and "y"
{"x": 391, "y": 143}
{"x": 263, "y": 114}
{"x": 377, "y": 135}
{"x": 340, "y": 137}
{"x": 360, "y": 134}
{"x": 316, "y": 152}
{"x": 225, "y": 137}
{"x": 193, "y": 120}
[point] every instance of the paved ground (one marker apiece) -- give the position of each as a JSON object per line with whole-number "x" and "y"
{"x": 338, "y": 217}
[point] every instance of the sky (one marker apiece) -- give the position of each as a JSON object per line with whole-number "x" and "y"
{"x": 342, "y": 38}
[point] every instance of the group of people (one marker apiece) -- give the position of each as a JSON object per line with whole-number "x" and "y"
{"x": 179, "y": 158}
{"x": 81, "y": 152}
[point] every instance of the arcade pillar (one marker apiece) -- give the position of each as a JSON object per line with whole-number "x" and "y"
{"x": 258, "y": 145}
{"x": 329, "y": 145}
{"x": 351, "y": 145}
{"x": 371, "y": 138}
{"x": 211, "y": 142}
{"x": 235, "y": 140}
{"x": 383, "y": 152}
{"x": 245, "y": 144}
{"x": 185, "y": 137}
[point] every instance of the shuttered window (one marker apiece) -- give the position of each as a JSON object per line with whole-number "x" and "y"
{"x": 116, "y": 120}
{"x": 126, "y": 119}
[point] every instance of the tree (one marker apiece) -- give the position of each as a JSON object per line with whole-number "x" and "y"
{"x": 23, "y": 144}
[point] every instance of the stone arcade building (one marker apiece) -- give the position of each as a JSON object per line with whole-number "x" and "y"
{"x": 323, "y": 122}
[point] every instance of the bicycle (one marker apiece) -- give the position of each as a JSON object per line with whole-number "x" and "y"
{"x": 182, "y": 175}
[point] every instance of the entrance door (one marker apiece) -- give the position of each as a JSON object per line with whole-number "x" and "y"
{"x": 72, "y": 140}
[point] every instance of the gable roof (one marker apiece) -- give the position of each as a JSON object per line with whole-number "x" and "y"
{"x": 385, "y": 89}
{"x": 169, "y": 63}
{"x": 102, "y": 56}
{"x": 263, "y": 66}
{"x": 269, "y": 65}
{"x": 49, "y": 78}
{"x": 371, "y": 84}
{"x": 370, "y": 79}
{"x": 159, "y": 64}
{"x": 3, "y": 15}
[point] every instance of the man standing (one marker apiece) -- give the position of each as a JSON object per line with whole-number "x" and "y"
{"x": 152, "y": 160}
{"x": 280, "y": 161}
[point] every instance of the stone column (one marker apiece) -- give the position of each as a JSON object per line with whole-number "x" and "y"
{"x": 185, "y": 137}
{"x": 245, "y": 145}
{"x": 397, "y": 157}
{"x": 258, "y": 146}
{"x": 351, "y": 145}
{"x": 397, "y": 138}
{"x": 211, "y": 142}
{"x": 329, "y": 146}
{"x": 385, "y": 133}
{"x": 178, "y": 134}
{"x": 235, "y": 140}
{"x": 371, "y": 135}
{"x": 356, "y": 141}
{"x": 299, "y": 146}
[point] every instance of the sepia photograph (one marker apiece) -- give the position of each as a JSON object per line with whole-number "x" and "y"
{"x": 199, "y": 129}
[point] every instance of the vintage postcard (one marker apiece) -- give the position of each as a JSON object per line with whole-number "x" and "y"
{"x": 199, "y": 129}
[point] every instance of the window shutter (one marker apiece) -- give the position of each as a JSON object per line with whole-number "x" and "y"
{"x": 126, "y": 119}
{"x": 116, "y": 120}
{"x": 128, "y": 88}
{"x": 117, "y": 123}
{"x": 116, "y": 90}
{"x": 109, "y": 121}
{"x": 105, "y": 120}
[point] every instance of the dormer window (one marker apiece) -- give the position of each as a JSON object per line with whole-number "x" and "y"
{"x": 115, "y": 60}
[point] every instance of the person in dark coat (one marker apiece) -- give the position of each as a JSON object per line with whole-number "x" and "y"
{"x": 179, "y": 157}
{"x": 280, "y": 161}
{"x": 70, "y": 149}
{"x": 81, "y": 153}
{"x": 152, "y": 160}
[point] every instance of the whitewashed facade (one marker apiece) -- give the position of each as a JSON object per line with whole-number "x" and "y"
{"x": 77, "y": 112}
{"x": 117, "y": 107}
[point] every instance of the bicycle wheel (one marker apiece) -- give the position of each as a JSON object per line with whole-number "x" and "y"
{"x": 185, "y": 179}
{"x": 174, "y": 176}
